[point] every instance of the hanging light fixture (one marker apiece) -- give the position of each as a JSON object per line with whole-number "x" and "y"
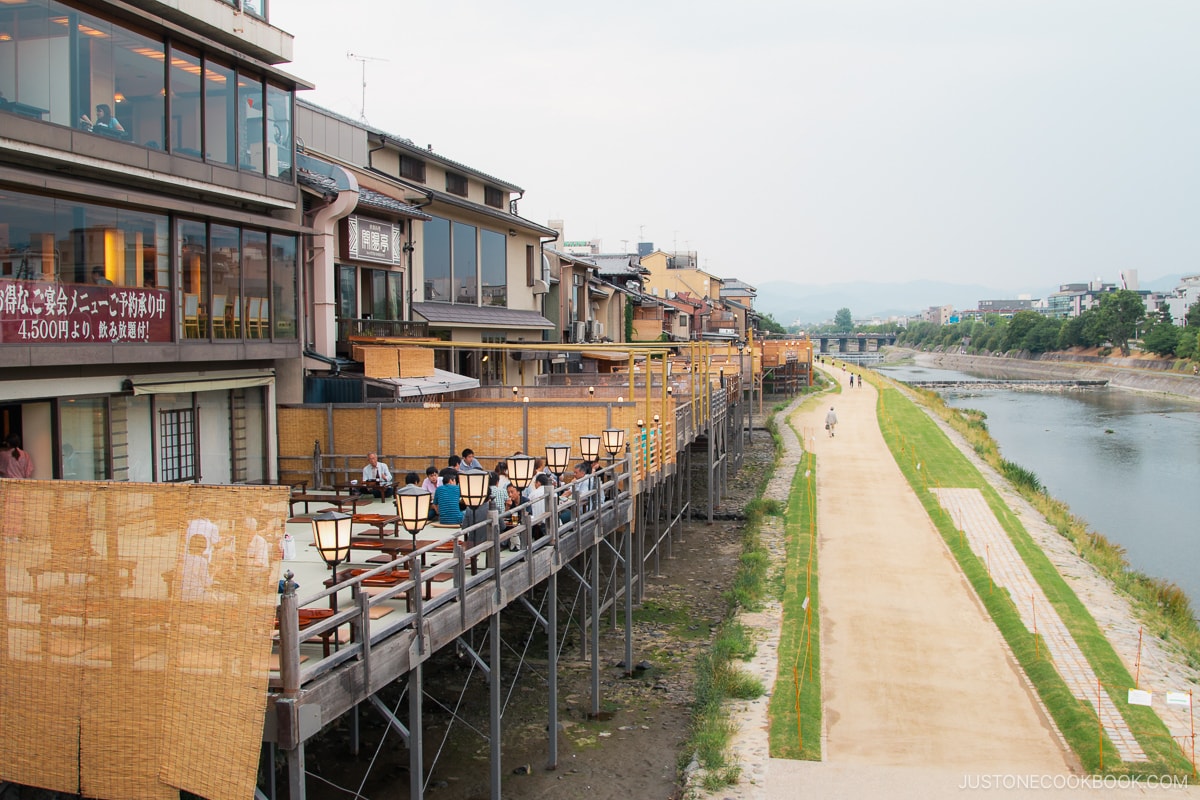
{"x": 589, "y": 446}
{"x": 557, "y": 458}
{"x": 520, "y": 470}
{"x": 614, "y": 440}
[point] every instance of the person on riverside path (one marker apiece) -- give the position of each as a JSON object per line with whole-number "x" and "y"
{"x": 831, "y": 420}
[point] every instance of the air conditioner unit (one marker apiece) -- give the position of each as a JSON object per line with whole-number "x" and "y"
{"x": 578, "y": 331}
{"x": 595, "y": 331}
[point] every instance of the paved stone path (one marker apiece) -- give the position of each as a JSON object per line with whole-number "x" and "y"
{"x": 991, "y": 543}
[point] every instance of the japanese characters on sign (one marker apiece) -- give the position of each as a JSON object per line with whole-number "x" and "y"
{"x": 37, "y": 312}
{"x": 372, "y": 240}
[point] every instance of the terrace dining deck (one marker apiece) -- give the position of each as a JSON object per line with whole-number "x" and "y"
{"x": 391, "y": 617}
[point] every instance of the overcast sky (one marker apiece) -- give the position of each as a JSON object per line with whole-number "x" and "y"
{"x": 1010, "y": 143}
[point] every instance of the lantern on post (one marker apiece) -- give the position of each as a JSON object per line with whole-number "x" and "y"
{"x": 331, "y": 535}
{"x": 412, "y": 506}
{"x": 589, "y": 447}
{"x": 614, "y": 440}
{"x": 514, "y": 393}
{"x": 557, "y": 458}
{"x": 520, "y": 470}
{"x": 473, "y": 485}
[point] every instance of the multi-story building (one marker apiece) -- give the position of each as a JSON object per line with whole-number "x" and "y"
{"x": 470, "y": 267}
{"x": 149, "y": 237}
{"x": 1186, "y": 295}
{"x": 1072, "y": 299}
{"x": 679, "y": 273}
{"x": 938, "y": 315}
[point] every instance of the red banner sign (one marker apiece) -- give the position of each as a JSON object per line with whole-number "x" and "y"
{"x": 35, "y": 312}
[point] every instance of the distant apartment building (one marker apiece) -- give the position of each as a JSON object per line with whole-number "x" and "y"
{"x": 938, "y": 315}
{"x": 1072, "y": 299}
{"x": 1186, "y": 295}
{"x": 150, "y": 230}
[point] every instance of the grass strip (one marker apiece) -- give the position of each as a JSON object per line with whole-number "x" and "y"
{"x": 928, "y": 459}
{"x": 795, "y": 709}
{"x": 718, "y": 678}
{"x": 1161, "y": 605}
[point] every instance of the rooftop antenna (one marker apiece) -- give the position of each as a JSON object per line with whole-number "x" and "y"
{"x": 362, "y": 60}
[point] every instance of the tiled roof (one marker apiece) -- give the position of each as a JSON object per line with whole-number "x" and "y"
{"x": 374, "y": 199}
{"x": 737, "y": 286}
{"x": 494, "y": 213}
{"x": 481, "y": 316}
{"x": 622, "y": 264}
{"x": 313, "y": 180}
{"x": 368, "y": 198}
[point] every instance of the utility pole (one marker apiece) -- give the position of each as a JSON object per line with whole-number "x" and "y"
{"x": 363, "y": 61}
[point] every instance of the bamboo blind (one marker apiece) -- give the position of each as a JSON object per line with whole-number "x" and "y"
{"x": 135, "y": 635}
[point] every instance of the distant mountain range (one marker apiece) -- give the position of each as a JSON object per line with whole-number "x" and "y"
{"x": 812, "y": 304}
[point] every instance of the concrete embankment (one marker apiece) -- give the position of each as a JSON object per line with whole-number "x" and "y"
{"x": 1120, "y": 372}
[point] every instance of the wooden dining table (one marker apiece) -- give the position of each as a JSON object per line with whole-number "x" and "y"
{"x": 379, "y": 522}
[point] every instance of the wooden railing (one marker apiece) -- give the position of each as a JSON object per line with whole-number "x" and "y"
{"x": 380, "y": 652}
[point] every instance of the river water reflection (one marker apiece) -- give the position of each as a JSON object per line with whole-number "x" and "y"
{"x": 1126, "y": 462}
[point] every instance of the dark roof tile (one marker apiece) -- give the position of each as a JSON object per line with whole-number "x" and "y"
{"x": 481, "y": 316}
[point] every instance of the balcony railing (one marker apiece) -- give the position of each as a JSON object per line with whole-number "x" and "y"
{"x": 398, "y": 328}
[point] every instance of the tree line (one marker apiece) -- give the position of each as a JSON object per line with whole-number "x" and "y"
{"x": 1119, "y": 318}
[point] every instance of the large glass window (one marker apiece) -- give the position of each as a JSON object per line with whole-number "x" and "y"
{"x": 283, "y": 286}
{"x": 220, "y": 131}
{"x": 250, "y": 123}
{"x": 72, "y": 271}
{"x": 279, "y": 133}
{"x": 226, "y": 282}
{"x": 193, "y": 284}
{"x": 139, "y": 103}
{"x": 466, "y": 264}
{"x": 437, "y": 260}
{"x": 185, "y": 104}
{"x": 386, "y": 289}
{"x": 83, "y": 432}
{"x": 35, "y": 59}
{"x": 347, "y": 294}
{"x": 62, "y": 65}
{"x": 493, "y": 267}
{"x": 256, "y": 281}
{"x": 81, "y": 272}
{"x": 67, "y": 242}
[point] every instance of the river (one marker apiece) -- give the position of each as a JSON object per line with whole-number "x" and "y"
{"x": 1128, "y": 463}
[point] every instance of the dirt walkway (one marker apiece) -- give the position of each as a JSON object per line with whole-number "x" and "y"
{"x": 915, "y": 673}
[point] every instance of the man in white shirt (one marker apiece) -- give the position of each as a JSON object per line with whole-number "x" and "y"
{"x": 537, "y": 499}
{"x": 377, "y": 471}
